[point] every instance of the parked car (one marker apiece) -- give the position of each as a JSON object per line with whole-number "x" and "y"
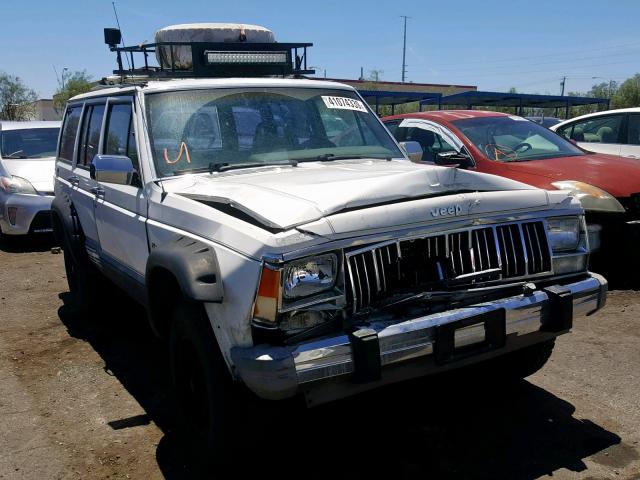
{"x": 546, "y": 122}
{"x": 507, "y": 145}
{"x": 616, "y": 132}
{"x": 304, "y": 254}
{"x": 27, "y": 159}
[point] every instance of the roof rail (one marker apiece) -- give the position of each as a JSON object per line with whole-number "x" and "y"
{"x": 209, "y": 59}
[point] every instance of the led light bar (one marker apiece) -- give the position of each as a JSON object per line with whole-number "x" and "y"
{"x": 245, "y": 58}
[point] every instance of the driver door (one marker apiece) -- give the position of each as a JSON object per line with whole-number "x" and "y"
{"x": 121, "y": 210}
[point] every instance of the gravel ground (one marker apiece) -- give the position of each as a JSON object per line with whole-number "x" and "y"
{"x": 90, "y": 399}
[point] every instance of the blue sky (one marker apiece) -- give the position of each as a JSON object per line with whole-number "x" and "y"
{"x": 493, "y": 44}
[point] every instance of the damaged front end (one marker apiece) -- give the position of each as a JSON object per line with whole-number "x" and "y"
{"x": 347, "y": 313}
{"x": 310, "y": 296}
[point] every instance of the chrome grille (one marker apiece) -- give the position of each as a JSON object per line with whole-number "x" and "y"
{"x": 502, "y": 252}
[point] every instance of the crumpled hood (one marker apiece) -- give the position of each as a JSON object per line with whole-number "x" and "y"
{"x": 285, "y": 197}
{"x": 39, "y": 171}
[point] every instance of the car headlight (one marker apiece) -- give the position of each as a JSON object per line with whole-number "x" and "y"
{"x": 563, "y": 233}
{"x": 302, "y": 278}
{"x": 16, "y": 185}
{"x": 592, "y": 198}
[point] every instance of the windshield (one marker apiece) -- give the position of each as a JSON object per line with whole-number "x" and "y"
{"x": 200, "y": 130}
{"x": 29, "y": 143}
{"x": 514, "y": 139}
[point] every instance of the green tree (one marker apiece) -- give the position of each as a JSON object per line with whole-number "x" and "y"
{"x": 628, "y": 94}
{"x": 604, "y": 90}
{"x": 17, "y": 101}
{"x": 70, "y": 85}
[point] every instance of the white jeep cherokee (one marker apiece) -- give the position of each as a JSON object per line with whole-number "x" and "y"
{"x": 279, "y": 236}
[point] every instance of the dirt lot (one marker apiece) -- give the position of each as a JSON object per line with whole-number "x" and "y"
{"x": 90, "y": 399}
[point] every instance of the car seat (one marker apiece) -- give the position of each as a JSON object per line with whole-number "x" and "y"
{"x": 266, "y": 138}
{"x": 607, "y": 135}
{"x": 426, "y": 139}
{"x": 577, "y": 135}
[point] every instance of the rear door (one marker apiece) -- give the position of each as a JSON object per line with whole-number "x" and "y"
{"x": 120, "y": 210}
{"x": 631, "y": 147}
{"x": 84, "y": 193}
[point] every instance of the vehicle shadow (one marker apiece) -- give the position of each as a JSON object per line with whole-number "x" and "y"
{"x": 27, "y": 243}
{"x": 453, "y": 426}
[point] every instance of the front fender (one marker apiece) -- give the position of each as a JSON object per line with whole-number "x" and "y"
{"x": 194, "y": 265}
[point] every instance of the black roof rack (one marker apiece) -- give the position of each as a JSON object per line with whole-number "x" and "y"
{"x": 210, "y": 59}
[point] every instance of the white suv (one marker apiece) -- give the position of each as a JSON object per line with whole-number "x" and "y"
{"x": 280, "y": 238}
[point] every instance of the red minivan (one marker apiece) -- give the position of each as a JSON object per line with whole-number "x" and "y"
{"x": 510, "y": 146}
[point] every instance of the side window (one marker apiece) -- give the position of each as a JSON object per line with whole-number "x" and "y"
{"x": 633, "y": 130}
{"x": 119, "y": 136}
{"x": 566, "y": 131}
{"x": 69, "y": 133}
{"x": 605, "y": 129}
{"x": 90, "y": 136}
{"x": 431, "y": 143}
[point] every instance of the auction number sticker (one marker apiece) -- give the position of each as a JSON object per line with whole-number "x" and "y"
{"x": 344, "y": 103}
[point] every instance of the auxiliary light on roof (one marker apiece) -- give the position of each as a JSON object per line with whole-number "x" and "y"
{"x": 246, "y": 58}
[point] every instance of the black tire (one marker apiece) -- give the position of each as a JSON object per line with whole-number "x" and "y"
{"x": 206, "y": 396}
{"x": 83, "y": 280}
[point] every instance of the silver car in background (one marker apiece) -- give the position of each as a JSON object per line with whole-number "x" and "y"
{"x": 27, "y": 160}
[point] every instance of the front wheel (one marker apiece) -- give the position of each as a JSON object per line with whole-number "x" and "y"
{"x": 206, "y": 396}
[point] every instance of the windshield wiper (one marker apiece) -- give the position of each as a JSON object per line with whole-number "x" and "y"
{"x": 225, "y": 166}
{"x": 330, "y": 157}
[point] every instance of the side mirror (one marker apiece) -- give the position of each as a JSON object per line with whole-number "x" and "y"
{"x": 413, "y": 150}
{"x": 116, "y": 169}
{"x": 453, "y": 159}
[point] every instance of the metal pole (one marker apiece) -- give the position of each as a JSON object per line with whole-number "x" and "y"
{"x": 404, "y": 49}
{"x": 564, "y": 80}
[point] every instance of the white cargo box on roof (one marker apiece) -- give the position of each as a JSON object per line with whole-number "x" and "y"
{"x": 205, "y": 32}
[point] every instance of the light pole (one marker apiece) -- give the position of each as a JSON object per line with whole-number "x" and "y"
{"x": 610, "y": 81}
{"x": 404, "y": 49}
{"x": 64, "y": 70}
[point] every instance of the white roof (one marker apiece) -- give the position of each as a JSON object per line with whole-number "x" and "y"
{"x": 7, "y": 125}
{"x": 596, "y": 114}
{"x": 181, "y": 84}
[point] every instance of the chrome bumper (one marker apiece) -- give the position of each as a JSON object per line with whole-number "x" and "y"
{"x": 26, "y": 208}
{"x": 279, "y": 372}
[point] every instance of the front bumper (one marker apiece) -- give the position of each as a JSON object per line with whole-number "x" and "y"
{"x": 26, "y": 208}
{"x": 334, "y": 367}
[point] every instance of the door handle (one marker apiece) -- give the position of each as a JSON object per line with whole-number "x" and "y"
{"x": 74, "y": 181}
{"x": 98, "y": 191}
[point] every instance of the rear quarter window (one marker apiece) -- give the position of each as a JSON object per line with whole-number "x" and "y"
{"x": 69, "y": 133}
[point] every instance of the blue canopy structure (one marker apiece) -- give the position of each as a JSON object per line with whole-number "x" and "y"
{"x": 517, "y": 100}
{"x": 387, "y": 97}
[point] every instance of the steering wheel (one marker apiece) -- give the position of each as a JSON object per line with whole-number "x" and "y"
{"x": 501, "y": 152}
{"x": 524, "y": 145}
